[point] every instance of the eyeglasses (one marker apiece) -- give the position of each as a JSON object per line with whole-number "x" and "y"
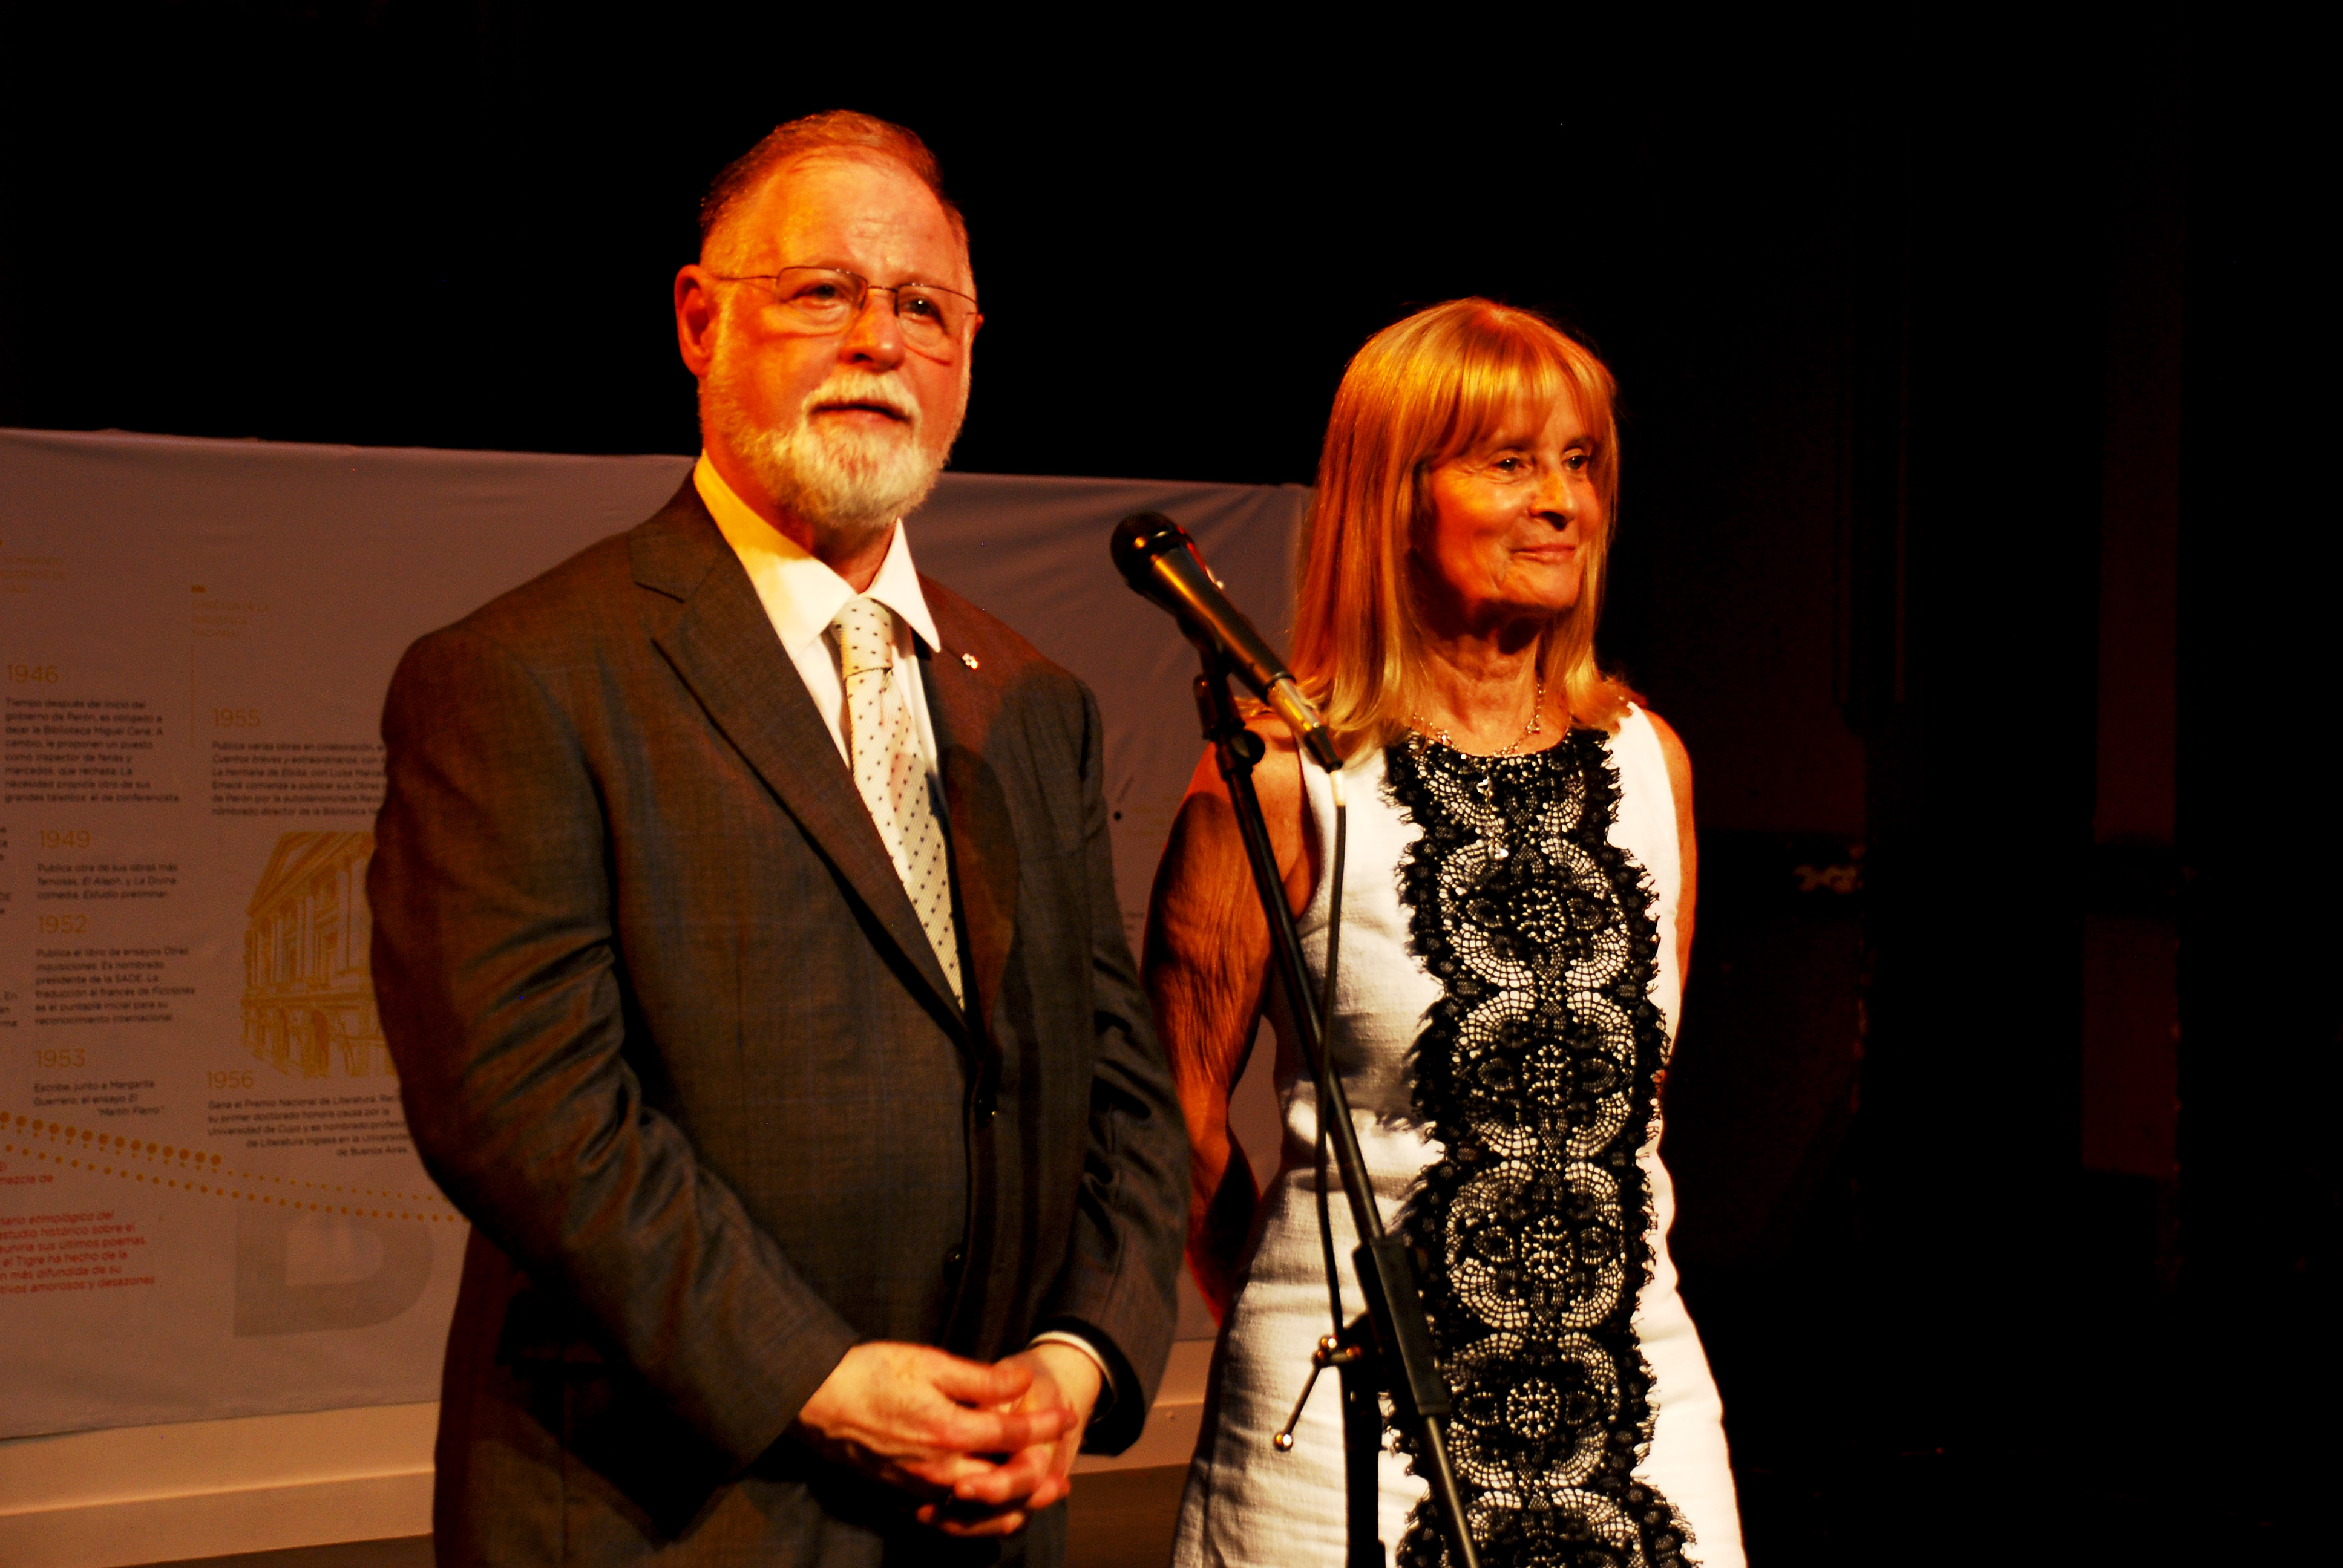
{"x": 827, "y": 299}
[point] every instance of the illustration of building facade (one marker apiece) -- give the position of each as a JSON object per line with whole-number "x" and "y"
{"x": 308, "y": 997}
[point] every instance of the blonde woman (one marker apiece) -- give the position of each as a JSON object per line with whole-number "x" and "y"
{"x": 1517, "y": 911}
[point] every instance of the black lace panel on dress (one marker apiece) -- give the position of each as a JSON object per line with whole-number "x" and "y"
{"x": 1536, "y": 1074}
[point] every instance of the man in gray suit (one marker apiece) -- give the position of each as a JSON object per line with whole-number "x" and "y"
{"x": 747, "y": 940}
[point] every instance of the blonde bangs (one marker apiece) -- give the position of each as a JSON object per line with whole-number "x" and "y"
{"x": 1431, "y": 387}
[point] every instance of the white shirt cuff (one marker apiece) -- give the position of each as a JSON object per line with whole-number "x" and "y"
{"x": 1108, "y": 1392}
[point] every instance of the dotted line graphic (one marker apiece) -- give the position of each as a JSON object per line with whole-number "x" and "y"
{"x": 197, "y": 1174}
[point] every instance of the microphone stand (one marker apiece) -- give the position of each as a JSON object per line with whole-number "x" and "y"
{"x": 1389, "y": 1346}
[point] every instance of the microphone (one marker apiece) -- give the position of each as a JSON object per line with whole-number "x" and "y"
{"x": 1161, "y": 562}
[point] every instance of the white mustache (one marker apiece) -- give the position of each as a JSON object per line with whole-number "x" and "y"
{"x": 856, "y": 387}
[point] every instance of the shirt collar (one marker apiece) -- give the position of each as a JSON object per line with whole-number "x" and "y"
{"x": 800, "y": 592}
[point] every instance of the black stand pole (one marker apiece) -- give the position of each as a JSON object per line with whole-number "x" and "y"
{"x": 1389, "y": 1347}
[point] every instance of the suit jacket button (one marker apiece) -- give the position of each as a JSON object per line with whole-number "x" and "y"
{"x": 986, "y": 1109}
{"x": 954, "y": 1259}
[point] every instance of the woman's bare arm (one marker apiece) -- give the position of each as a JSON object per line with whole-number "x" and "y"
{"x": 1687, "y": 841}
{"x": 1207, "y": 967}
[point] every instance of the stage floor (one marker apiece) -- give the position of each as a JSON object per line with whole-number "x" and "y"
{"x": 1116, "y": 1519}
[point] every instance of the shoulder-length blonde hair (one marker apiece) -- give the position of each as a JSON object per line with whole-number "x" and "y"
{"x": 1421, "y": 392}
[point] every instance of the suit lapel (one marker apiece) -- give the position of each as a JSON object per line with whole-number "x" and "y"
{"x": 963, "y": 709}
{"x": 722, "y": 646}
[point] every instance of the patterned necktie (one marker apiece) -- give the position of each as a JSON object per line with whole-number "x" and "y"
{"x": 884, "y": 750}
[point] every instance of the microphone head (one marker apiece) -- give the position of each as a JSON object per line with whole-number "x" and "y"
{"x": 1138, "y": 538}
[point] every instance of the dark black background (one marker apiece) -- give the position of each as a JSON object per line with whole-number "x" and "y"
{"x": 1976, "y": 389}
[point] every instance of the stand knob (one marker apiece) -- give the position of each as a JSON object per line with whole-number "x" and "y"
{"x": 1330, "y": 1352}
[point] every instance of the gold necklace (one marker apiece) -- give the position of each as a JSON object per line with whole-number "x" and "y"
{"x": 1492, "y": 821}
{"x": 1512, "y": 748}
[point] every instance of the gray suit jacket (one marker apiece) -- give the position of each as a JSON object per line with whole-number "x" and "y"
{"x": 670, "y": 1035}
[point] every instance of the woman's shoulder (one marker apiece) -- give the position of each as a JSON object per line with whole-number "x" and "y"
{"x": 1662, "y": 738}
{"x": 1284, "y": 805}
{"x": 1671, "y": 744}
{"x": 1277, "y": 776}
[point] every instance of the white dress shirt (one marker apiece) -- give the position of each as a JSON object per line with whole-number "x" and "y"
{"x": 801, "y": 597}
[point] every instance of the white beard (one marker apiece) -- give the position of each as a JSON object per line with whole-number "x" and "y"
{"x": 850, "y": 484}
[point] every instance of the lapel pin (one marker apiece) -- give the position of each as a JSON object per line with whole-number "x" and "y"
{"x": 968, "y": 660}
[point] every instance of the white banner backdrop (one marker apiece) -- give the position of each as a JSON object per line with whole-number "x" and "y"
{"x": 208, "y": 1204}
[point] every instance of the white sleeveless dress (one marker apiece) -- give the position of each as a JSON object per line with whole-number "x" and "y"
{"x": 1582, "y": 1409}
